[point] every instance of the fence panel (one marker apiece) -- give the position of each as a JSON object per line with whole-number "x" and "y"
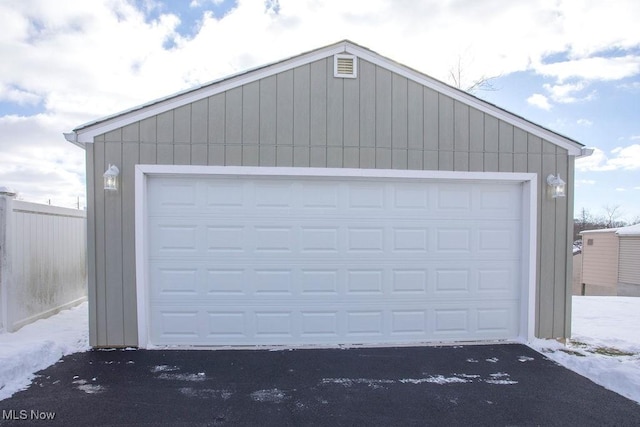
{"x": 44, "y": 268}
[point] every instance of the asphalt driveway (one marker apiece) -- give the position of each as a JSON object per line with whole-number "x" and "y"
{"x": 463, "y": 385}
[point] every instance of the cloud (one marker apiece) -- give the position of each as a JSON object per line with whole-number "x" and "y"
{"x": 200, "y": 3}
{"x": 565, "y": 93}
{"x": 540, "y": 101}
{"x": 627, "y": 158}
{"x": 593, "y": 68}
{"x": 584, "y": 122}
{"x": 83, "y": 59}
{"x": 581, "y": 182}
{"x": 622, "y": 158}
{"x": 632, "y": 86}
{"x": 106, "y": 55}
{"x": 38, "y": 163}
{"x": 620, "y": 189}
{"x": 18, "y": 96}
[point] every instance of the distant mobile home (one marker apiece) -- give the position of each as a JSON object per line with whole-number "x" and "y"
{"x": 333, "y": 198}
{"x": 611, "y": 261}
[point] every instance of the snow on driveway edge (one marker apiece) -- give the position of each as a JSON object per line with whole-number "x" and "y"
{"x": 620, "y": 374}
{"x": 26, "y": 351}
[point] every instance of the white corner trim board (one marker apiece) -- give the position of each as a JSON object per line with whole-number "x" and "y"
{"x": 249, "y": 256}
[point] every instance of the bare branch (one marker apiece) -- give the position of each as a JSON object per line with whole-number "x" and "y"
{"x": 457, "y": 78}
{"x": 612, "y": 213}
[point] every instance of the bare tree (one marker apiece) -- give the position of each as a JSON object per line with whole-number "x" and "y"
{"x": 612, "y": 214}
{"x": 460, "y": 80}
{"x": 584, "y": 221}
{"x": 585, "y": 217}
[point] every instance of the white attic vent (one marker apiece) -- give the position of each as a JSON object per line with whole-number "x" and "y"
{"x": 345, "y": 66}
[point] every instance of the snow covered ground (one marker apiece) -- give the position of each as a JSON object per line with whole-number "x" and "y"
{"x": 39, "y": 345}
{"x": 605, "y": 346}
{"x": 605, "y": 343}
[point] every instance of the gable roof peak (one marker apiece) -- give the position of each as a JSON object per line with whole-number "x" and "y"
{"x": 86, "y": 132}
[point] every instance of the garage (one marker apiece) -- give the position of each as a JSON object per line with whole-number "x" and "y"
{"x": 242, "y": 258}
{"x": 336, "y": 197}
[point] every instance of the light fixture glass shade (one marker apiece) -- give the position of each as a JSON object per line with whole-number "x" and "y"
{"x": 556, "y": 186}
{"x": 111, "y": 178}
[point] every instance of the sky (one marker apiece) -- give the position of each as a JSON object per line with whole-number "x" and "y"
{"x": 571, "y": 66}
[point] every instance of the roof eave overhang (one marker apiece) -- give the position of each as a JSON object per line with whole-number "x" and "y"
{"x": 86, "y": 133}
{"x": 599, "y": 231}
{"x": 72, "y": 137}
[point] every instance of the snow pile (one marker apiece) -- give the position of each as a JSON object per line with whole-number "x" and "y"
{"x": 605, "y": 344}
{"x": 39, "y": 345}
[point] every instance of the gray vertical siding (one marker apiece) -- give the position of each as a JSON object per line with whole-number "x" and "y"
{"x": 92, "y": 166}
{"x": 306, "y": 117}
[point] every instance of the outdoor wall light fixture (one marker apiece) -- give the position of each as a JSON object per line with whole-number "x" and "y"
{"x": 111, "y": 178}
{"x": 556, "y": 186}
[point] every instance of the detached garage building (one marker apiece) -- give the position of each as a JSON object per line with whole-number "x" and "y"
{"x": 336, "y": 197}
{"x": 610, "y": 261}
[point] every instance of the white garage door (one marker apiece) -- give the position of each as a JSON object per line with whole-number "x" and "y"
{"x": 264, "y": 260}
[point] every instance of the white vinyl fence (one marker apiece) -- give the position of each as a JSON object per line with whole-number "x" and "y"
{"x": 42, "y": 260}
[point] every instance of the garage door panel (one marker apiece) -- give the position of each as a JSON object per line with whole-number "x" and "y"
{"x": 178, "y": 324}
{"x": 176, "y": 281}
{"x": 453, "y": 239}
{"x": 319, "y": 281}
{"x": 433, "y": 280}
{"x": 454, "y": 198}
{"x": 259, "y": 237}
{"x": 229, "y": 195}
{"x": 276, "y": 194}
{"x": 271, "y": 281}
{"x": 175, "y": 238}
{"x": 498, "y": 201}
{"x": 409, "y": 280}
{"x": 341, "y": 325}
{"x": 279, "y": 261}
{"x": 365, "y": 281}
{"x": 273, "y": 324}
{"x": 319, "y": 324}
{"x": 317, "y": 238}
{"x": 451, "y": 281}
{"x": 411, "y": 197}
{"x": 410, "y": 240}
{"x": 273, "y": 239}
{"x": 225, "y": 281}
{"x": 170, "y": 195}
{"x": 227, "y": 324}
{"x": 409, "y": 322}
{"x": 319, "y": 195}
{"x": 425, "y": 200}
{"x": 226, "y": 238}
{"x": 370, "y": 197}
{"x": 451, "y": 321}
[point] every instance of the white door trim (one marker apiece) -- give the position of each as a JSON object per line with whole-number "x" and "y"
{"x": 529, "y": 220}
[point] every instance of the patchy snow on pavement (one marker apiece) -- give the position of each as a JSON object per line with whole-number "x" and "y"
{"x": 605, "y": 343}
{"x": 605, "y": 348}
{"x": 39, "y": 345}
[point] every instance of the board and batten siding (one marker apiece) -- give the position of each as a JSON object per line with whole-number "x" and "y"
{"x": 304, "y": 117}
